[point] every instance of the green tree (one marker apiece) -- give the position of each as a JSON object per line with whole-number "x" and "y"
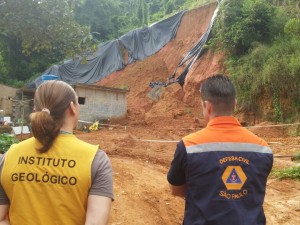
{"x": 243, "y": 22}
{"x": 154, "y": 7}
{"x": 292, "y": 27}
{"x": 178, "y": 3}
{"x": 263, "y": 47}
{"x": 269, "y": 73}
{"x": 100, "y": 15}
{"x": 139, "y": 12}
{"x": 169, "y": 7}
{"x": 17, "y": 66}
{"x": 145, "y": 13}
{"x": 35, "y": 34}
{"x": 42, "y": 25}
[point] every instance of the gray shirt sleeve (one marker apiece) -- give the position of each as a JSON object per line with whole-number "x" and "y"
{"x": 3, "y": 197}
{"x": 102, "y": 178}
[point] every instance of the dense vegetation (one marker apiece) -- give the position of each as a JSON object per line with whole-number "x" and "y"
{"x": 34, "y": 34}
{"x": 37, "y": 33}
{"x": 262, "y": 42}
{"x": 6, "y": 140}
{"x": 110, "y": 19}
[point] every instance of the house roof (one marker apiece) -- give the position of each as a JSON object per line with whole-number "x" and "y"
{"x": 91, "y": 86}
{"x": 28, "y": 90}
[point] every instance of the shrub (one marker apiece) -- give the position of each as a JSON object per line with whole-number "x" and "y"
{"x": 242, "y": 22}
{"x": 289, "y": 173}
{"x": 6, "y": 140}
{"x": 269, "y": 72}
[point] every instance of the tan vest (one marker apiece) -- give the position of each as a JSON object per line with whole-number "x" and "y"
{"x": 50, "y": 188}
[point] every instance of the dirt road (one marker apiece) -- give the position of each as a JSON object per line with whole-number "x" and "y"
{"x": 140, "y": 166}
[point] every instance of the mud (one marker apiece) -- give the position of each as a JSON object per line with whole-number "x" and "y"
{"x": 141, "y": 189}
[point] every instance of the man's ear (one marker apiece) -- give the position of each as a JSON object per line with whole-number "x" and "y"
{"x": 209, "y": 107}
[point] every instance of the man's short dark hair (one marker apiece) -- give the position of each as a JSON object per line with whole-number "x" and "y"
{"x": 220, "y": 92}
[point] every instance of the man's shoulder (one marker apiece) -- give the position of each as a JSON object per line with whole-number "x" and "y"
{"x": 208, "y": 135}
{"x": 195, "y": 137}
{"x": 252, "y": 137}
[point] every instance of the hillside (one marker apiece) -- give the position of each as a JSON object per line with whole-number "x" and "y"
{"x": 175, "y": 104}
{"x": 141, "y": 153}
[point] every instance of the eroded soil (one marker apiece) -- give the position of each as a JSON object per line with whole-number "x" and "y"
{"x": 141, "y": 159}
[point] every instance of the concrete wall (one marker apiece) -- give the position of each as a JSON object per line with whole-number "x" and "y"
{"x": 6, "y": 94}
{"x": 101, "y": 104}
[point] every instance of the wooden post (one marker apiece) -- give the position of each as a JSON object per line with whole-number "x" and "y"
{"x": 22, "y": 119}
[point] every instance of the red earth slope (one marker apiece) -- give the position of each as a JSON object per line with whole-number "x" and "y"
{"x": 173, "y": 104}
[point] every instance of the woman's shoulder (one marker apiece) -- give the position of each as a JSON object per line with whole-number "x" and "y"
{"x": 22, "y": 144}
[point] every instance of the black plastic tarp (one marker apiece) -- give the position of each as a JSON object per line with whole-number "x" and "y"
{"x": 189, "y": 58}
{"x": 146, "y": 41}
{"x": 105, "y": 60}
{"x": 139, "y": 43}
{"x": 197, "y": 50}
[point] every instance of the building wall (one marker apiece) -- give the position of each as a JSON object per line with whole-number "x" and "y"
{"x": 101, "y": 104}
{"x": 6, "y": 94}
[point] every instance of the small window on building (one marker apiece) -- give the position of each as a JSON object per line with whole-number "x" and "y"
{"x": 81, "y": 100}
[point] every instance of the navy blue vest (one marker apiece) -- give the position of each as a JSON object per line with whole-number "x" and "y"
{"x": 226, "y": 181}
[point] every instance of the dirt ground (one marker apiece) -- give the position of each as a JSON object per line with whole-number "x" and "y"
{"x": 140, "y": 158}
{"x": 141, "y": 150}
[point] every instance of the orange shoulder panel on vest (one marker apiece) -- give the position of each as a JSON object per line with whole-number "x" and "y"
{"x": 223, "y": 129}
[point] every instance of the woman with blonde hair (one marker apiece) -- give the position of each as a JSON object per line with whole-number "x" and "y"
{"x": 53, "y": 177}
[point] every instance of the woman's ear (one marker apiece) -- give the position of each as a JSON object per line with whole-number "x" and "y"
{"x": 73, "y": 108}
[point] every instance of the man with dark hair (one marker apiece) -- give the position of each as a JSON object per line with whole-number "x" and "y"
{"x": 221, "y": 170}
